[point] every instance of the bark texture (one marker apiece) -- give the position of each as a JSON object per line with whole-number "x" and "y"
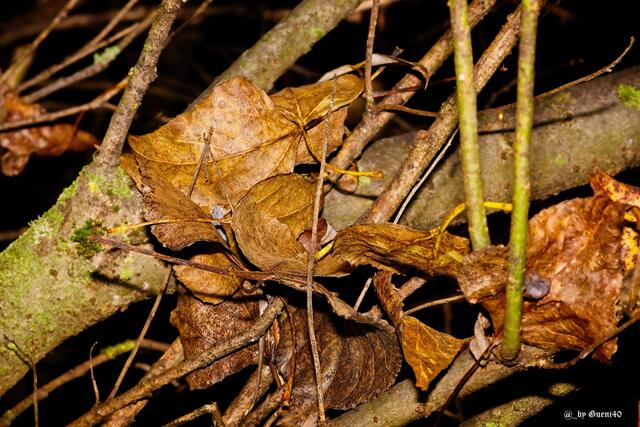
{"x": 574, "y": 131}
{"x": 52, "y": 289}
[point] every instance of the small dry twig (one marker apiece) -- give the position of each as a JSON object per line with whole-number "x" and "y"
{"x": 38, "y": 40}
{"x": 311, "y": 264}
{"x": 96, "y": 103}
{"x": 210, "y": 408}
{"x": 373, "y": 21}
{"x": 143, "y": 333}
{"x": 147, "y": 386}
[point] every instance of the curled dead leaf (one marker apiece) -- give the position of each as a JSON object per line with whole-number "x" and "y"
{"x": 427, "y": 350}
{"x": 51, "y": 140}
{"x": 187, "y": 222}
{"x": 268, "y": 221}
{"x": 576, "y": 271}
{"x": 393, "y": 247}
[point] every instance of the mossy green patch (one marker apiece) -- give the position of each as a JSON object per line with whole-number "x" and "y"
{"x": 116, "y": 350}
{"x": 560, "y": 160}
{"x": 81, "y": 236}
{"x": 317, "y": 32}
{"x": 118, "y": 184}
{"x": 107, "y": 55}
{"x": 630, "y": 96}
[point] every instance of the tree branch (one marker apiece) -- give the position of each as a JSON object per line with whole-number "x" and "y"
{"x": 573, "y": 131}
{"x": 146, "y": 387}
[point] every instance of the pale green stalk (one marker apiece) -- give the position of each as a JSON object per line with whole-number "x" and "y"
{"x": 521, "y": 184}
{"x": 467, "y": 113}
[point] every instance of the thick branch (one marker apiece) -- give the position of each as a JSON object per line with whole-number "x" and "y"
{"x": 49, "y": 293}
{"x": 291, "y": 38}
{"x": 574, "y": 131}
{"x": 427, "y": 143}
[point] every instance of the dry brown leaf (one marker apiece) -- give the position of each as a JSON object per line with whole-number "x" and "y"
{"x": 391, "y": 247}
{"x": 251, "y": 140}
{"x": 358, "y": 362}
{"x": 268, "y": 221}
{"x": 202, "y": 326}
{"x": 311, "y": 102}
{"x": 209, "y": 287}
{"x": 162, "y": 201}
{"x": 389, "y": 298}
{"x": 427, "y": 350}
{"x": 51, "y": 140}
{"x": 575, "y": 272}
{"x": 306, "y": 104}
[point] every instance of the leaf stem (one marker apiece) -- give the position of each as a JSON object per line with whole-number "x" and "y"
{"x": 468, "y": 117}
{"x": 521, "y": 183}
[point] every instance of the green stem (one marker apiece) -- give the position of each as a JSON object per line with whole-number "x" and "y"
{"x": 467, "y": 112}
{"x": 521, "y": 190}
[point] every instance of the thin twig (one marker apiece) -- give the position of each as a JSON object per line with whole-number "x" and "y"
{"x": 363, "y": 292}
{"x": 43, "y": 35}
{"x": 468, "y": 118}
{"x": 427, "y": 143}
{"x": 410, "y": 286}
{"x": 402, "y": 108}
{"x": 371, "y": 125}
{"x": 93, "y": 69}
{"x": 203, "y": 155}
{"x": 105, "y": 355}
{"x": 426, "y": 175}
{"x": 521, "y": 181}
{"x": 606, "y": 69}
{"x": 241, "y": 274}
{"x": 45, "y": 74}
{"x": 210, "y": 408}
{"x": 141, "y": 76}
{"x": 94, "y": 104}
{"x": 435, "y": 303}
{"x": 373, "y": 21}
{"x": 147, "y": 386}
{"x": 94, "y": 383}
{"x": 311, "y": 263}
{"x": 143, "y": 333}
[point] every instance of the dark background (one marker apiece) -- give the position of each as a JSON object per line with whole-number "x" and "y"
{"x": 576, "y": 37}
